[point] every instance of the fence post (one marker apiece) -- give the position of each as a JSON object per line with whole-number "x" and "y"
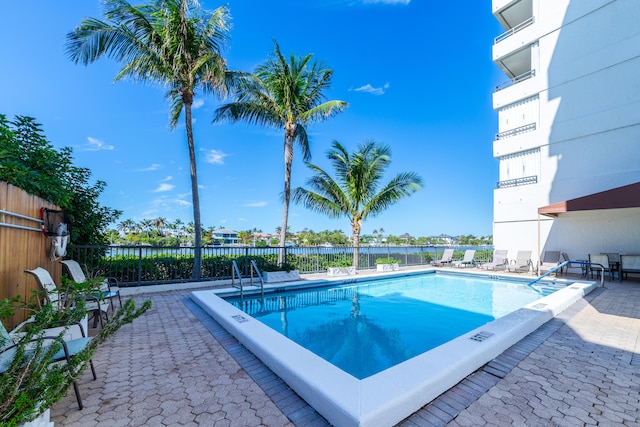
{"x": 140, "y": 265}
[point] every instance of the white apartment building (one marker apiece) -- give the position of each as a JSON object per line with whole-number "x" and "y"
{"x": 568, "y": 126}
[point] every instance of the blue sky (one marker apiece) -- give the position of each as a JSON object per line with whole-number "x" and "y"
{"x": 417, "y": 74}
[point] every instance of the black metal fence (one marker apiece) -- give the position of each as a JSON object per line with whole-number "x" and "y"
{"x": 147, "y": 265}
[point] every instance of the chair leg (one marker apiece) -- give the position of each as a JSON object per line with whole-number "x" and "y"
{"x": 78, "y": 398}
{"x": 93, "y": 370}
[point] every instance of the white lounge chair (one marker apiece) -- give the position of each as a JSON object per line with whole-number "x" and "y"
{"x": 499, "y": 261}
{"x": 550, "y": 260}
{"x": 109, "y": 289}
{"x": 447, "y": 255}
{"x": 522, "y": 263}
{"x": 467, "y": 261}
{"x": 46, "y": 283}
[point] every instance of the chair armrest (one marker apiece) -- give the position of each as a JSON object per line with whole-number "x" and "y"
{"x": 112, "y": 282}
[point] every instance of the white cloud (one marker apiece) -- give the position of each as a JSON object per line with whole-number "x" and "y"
{"x": 153, "y": 167}
{"x": 94, "y": 144}
{"x": 197, "y": 103}
{"x": 373, "y": 90}
{"x": 164, "y": 187}
{"x": 215, "y": 157}
{"x": 255, "y": 204}
{"x": 169, "y": 178}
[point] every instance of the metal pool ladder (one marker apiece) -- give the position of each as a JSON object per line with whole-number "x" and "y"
{"x": 254, "y": 266}
{"x": 235, "y": 271}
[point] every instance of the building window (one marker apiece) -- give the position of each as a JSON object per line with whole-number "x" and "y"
{"x": 519, "y": 168}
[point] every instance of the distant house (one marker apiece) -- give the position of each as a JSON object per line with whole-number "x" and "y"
{"x": 445, "y": 238}
{"x": 406, "y": 237}
{"x": 226, "y": 237}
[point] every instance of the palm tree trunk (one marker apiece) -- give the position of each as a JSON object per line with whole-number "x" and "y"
{"x": 355, "y": 228}
{"x": 197, "y": 250}
{"x": 288, "y": 161}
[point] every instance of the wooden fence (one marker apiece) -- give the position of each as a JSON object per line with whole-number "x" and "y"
{"x": 22, "y": 246}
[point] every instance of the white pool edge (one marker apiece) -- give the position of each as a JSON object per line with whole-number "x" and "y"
{"x": 391, "y": 395}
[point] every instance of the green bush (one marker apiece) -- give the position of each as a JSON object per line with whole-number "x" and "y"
{"x": 387, "y": 260}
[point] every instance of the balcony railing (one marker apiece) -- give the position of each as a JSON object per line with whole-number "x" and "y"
{"x": 514, "y": 30}
{"x": 517, "y": 79}
{"x": 516, "y": 131}
{"x": 518, "y": 181}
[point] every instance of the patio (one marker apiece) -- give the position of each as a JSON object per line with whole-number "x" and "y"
{"x": 176, "y": 366}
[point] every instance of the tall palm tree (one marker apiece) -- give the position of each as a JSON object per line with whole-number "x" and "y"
{"x": 355, "y": 192}
{"x": 286, "y": 95}
{"x": 174, "y": 43}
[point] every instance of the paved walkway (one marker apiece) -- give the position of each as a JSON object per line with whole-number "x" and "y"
{"x": 170, "y": 368}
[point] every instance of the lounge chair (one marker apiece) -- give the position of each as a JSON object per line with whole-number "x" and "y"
{"x": 522, "y": 263}
{"x": 468, "y": 259}
{"x": 550, "y": 260}
{"x": 499, "y": 262}
{"x": 46, "y": 283}
{"x": 9, "y": 344}
{"x": 107, "y": 290}
{"x": 447, "y": 255}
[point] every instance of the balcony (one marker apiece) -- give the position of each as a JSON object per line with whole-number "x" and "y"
{"x": 518, "y": 181}
{"x": 516, "y": 131}
{"x": 517, "y": 79}
{"x": 511, "y": 12}
{"x": 514, "y": 30}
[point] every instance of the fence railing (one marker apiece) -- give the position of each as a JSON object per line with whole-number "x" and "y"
{"x": 146, "y": 265}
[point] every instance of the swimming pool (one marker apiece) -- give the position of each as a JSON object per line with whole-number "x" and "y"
{"x": 391, "y": 395}
{"x": 367, "y": 327}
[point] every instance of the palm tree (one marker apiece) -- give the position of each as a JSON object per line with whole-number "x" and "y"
{"x": 146, "y": 224}
{"x": 171, "y": 42}
{"x": 355, "y": 193}
{"x": 160, "y": 224}
{"x": 286, "y": 95}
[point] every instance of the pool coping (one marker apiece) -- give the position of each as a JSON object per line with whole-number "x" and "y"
{"x": 391, "y": 395}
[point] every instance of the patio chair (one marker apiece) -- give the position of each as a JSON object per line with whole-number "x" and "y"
{"x": 108, "y": 291}
{"x": 467, "y": 260}
{"x": 499, "y": 262}
{"x": 522, "y": 263}
{"x": 597, "y": 260}
{"x": 447, "y": 255}
{"x": 46, "y": 283}
{"x": 550, "y": 260}
{"x": 9, "y": 343}
{"x": 614, "y": 262}
{"x": 565, "y": 270}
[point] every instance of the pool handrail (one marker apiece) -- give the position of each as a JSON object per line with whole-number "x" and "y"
{"x": 235, "y": 270}
{"x": 566, "y": 263}
{"x": 254, "y": 266}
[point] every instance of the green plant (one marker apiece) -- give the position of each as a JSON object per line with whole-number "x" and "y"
{"x": 31, "y": 384}
{"x": 341, "y": 263}
{"x": 387, "y": 260}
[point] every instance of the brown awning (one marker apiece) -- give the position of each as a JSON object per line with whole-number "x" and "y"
{"x": 627, "y": 196}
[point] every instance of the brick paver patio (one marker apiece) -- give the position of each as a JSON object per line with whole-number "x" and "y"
{"x": 176, "y": 366}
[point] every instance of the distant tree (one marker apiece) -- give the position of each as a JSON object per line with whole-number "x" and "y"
{"x": 174, "y": 43}
{"x": 285, "y": 94}
{"x": 356, "y": 191}
{"x": 30, "y": 162}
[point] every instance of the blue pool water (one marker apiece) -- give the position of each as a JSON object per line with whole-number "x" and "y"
{"x": 372, "y": 325}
